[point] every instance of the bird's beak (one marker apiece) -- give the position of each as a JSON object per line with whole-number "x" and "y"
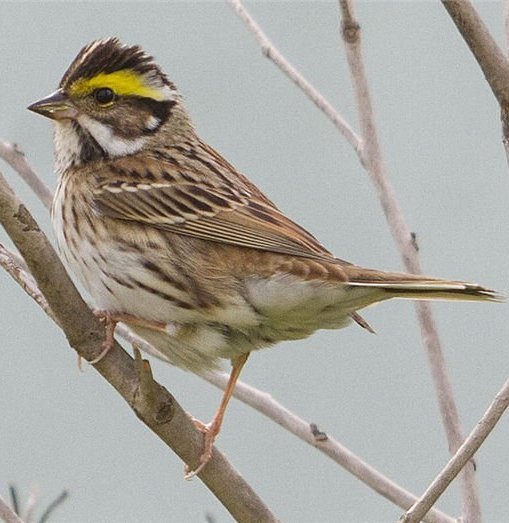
{"x": 55, "y": 106}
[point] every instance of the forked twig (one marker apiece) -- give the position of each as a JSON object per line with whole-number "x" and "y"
{"x": 403, "y": 238}
{"x": 371, "y": 158}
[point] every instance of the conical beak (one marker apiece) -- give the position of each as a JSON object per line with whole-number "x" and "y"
{"x": 55, "y": 106}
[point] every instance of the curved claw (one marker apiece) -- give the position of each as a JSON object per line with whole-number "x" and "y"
{"x": 110, "y": 324}
{"x": 209, "y": 436}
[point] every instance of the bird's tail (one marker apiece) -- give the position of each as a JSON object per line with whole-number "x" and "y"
{"x": 401, "y": 285}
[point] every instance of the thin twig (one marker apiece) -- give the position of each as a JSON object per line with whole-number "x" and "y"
{"x": 268, "y": 406}
{"x": 25, "y": 280}
{"x": 489, "y": 55}
{"x": 13, "y": 491}
{"x": 17, "y": 160}
{"x": 7, "y": 514}
{"x": 461, "y": 458}
{"x": 273, "y": 54}
{"x": 164, "y": 416}
{"x": 401, "y": 234}
{"x": 53, "y": 506}
{"x": 484, "y": 47}
{"x": 506, "y": 25}
{"x": 505, "y": 126}
{"x": 404, "y": 240}
{"x": 33, "y": 497}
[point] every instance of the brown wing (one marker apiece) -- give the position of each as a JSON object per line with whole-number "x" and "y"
{"x": 224, "y": 208}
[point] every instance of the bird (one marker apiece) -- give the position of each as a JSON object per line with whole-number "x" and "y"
{"x": 171, "y": 239}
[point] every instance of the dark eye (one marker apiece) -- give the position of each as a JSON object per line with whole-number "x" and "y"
{"x": 104, "y": 96}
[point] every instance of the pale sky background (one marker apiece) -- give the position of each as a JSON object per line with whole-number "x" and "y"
{"x": 440, "y": 134}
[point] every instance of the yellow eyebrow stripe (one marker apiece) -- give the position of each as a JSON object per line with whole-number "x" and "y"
{"x": 122, "y": 83}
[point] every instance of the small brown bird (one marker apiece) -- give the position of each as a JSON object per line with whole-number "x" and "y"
{"x": 171, "y": 239}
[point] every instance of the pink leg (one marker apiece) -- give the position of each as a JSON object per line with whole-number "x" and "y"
{"x": 109, "y": 324}
{"x": 110, "y": 321}
{"x": 211, "y": 430}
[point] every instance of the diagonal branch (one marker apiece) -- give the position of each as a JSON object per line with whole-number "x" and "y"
{"x": 488, "y": 54}
{"x": 7, "y": 514}
{"x": 11, "y": 153}
{"x": 265, "y": 404}
{"x": 484, "y": 47}
{"x": 160, "y": 412}
{"x": 272, "y": 53}
{"x": 269, "y": 407}
{"x": 403, "y": 238}
{"x": 469, "y": 447}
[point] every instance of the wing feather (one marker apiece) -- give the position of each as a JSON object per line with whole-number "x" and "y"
{"x": 222, "y": 209}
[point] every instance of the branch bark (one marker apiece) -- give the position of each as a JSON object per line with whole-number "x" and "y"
{"x": 370, "y": 153}
{"x": 405, "y": 242}
{"x": 159, "y": 410}
{"x": 461, "y": 458}
{"x": 489, "y": 55}
{"x": 11, "y": 153}
{"x": 263, "y": 403}
{"x": 7, "y": 514}
{"x": 271, "y": 52}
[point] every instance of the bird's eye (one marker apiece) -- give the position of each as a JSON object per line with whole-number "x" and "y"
{"x": 104, "y": 96}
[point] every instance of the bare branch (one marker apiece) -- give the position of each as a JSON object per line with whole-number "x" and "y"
{"x": 12, "y": 264}
{"x": 268, "y": 406}
{"x": 272, "y": 53}
{"x": 17, "y": 160}
{"x": 33, "y": 496}
{"x": 53, "y": 506}
{"x": 7, "y": 514}
{"x": 163, "y": 415}
{"x": 461, "y": 458}
{"x": 13, "y": 491}
{"x": 488, "y": 54}
{"x": 403, "y": 237}
{"x": 398, "y": 226}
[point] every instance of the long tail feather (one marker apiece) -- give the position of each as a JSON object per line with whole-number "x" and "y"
{"x": 429, "y": 289}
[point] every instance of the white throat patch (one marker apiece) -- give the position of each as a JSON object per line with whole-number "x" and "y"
{"x": 104, "y": 136}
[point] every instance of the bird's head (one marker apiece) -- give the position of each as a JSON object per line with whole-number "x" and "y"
{"x": 113, "y": 100}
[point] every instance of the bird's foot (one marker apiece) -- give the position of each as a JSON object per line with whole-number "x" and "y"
{"x": 170, "y": 328}
{"x": 210, "y": 432}
{"x": 110, "y": 322}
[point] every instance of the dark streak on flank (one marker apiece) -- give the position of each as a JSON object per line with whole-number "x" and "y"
{"x": 106, "y": 286}
{"x": 161, "y": 294}
{"x": 163, "y": 276}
